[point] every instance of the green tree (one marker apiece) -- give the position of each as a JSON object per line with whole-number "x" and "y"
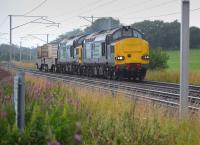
{"x": 102, "y": 24}
{"x": 160, "y": 34}
{"x": 158, "y": 59}
{"x": 25, "y": 52}
{"x": 194, "y": 37}
{"x": 157, "y": 33}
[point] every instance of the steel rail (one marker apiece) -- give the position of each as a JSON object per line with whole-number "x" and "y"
{"x": 139, "y": 90}
{"x": 114, "y": 90}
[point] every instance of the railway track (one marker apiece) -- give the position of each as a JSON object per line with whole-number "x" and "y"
{"x": 165, "y": 93}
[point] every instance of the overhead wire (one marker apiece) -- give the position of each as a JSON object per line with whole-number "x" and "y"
{"x": 134, "y": 5}
{"x": 162, "y": 15}
{"x": 35, "y": 8}
{"x": 106, "y": 3}
{"x": 154, "y": 6}
{"x": 96, "y": 7}
{"x": 62, "y": 13}
{"x": 3, "y": 21}
{"x": 92, "y": 9}
{"x": 196, "y": 9}
{"x": 158, "y": 5}
{"x": 139, "y": 10}
{"x": 99, "y": 6}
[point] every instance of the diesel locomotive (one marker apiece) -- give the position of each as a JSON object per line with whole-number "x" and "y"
{"x": 113, "y": 54}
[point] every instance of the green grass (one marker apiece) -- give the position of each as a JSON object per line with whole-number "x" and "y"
{"x": 172, "y": 74}
{"x": 57, "y": 112}
{"x": 174, "y": 60}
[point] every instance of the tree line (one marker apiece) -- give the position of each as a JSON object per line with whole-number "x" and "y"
{"x": 158, "y": 33}
{"x": 27, "y": 54}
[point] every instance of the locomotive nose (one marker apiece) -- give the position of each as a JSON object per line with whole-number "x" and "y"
{"x": 132, "y": 50}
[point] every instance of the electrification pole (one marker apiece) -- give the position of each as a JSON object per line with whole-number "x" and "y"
{"x": 30, "y": 54}
{"x": 110, "y": 23}
{"x": 185, "y": 32}
{"x": 37, "y": 20}
{"x": 89, "y": 19}
{"x": 47, "y": 38}
{"x": 92, "y": 19}
{"x": 10, "y": 59}
{"x": 20, "y": 52}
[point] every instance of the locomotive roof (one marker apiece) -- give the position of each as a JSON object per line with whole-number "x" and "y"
{"x": 71, "y": 41}
{"x": 97, "y": 36}
{"x": 64, "y": 40}
{"x": 101, "y": 35}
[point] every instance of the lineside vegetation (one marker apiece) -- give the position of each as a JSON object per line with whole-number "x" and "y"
{"x": 171, "y": 73}
{"x": 66, "y": 114}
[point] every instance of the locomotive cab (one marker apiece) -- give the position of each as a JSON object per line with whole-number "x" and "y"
{"x": 131, "y": 53}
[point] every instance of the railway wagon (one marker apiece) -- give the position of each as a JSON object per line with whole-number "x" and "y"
{"x": 47, "y": 56}
{"x": 117, "y": 53}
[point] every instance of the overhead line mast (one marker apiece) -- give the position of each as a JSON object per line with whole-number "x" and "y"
{"x": 185, "y": 37}
{"x": 43, "y": 19}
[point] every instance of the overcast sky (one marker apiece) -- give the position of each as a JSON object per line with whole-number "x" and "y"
{"x": 66, "y": 12}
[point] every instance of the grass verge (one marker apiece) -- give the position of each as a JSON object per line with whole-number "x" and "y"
{"x": 174, "y": 60}
{"x": 67, "y": 114}
{"x": 25, "y": 64}
{"x": 172, "y": 76}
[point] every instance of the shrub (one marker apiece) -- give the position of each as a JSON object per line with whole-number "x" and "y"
{"x": 158, "y": 59}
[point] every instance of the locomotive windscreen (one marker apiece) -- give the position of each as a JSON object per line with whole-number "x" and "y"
{"x": 125, "y": 32}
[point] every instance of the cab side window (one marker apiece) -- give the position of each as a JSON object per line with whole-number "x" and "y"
{"x": 112, "y": 49}
{"x": 77, "y": 51}
{"x": 117, "y": 35}
{"x": 71, "y": 51}
{"x": 103, "y": 49}
{"x": 137, "y": 34}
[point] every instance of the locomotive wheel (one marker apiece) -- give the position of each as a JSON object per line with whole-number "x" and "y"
{"x": 129, "y": 78}
{"x": 142, "y": 76}
{"x": 109, "y": 77}
{"x": 46, "y": 68}
{"x": 104, "y": 74}
{"x": 133, "y": 79}
{"x": 107, "y": 74}
{"x": 114, "y": 76}
{"x": 40, "y": 68}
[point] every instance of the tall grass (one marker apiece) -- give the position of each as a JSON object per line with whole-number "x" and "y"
{"x": 172, "y": 76}
{"x": 68, "y": 114}
{"x": 25, "y": 64}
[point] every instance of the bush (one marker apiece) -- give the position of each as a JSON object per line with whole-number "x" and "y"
{"x": 158, "y": 59}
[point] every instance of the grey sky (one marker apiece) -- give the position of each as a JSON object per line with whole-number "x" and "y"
{"x": 67, "y": 11}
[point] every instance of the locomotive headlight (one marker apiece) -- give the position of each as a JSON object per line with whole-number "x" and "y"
{"x": 145, "y": 57}
{"x": 120, "y": 57}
